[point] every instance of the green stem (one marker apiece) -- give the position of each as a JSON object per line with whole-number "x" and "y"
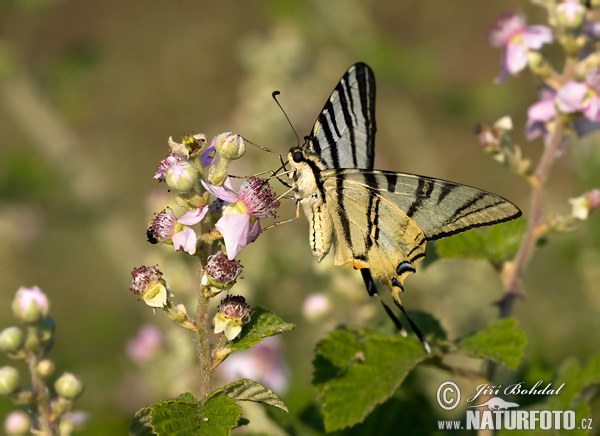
{"x": 202, "y": 343}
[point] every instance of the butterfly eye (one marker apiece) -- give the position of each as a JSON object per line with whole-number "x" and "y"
{"x": 298, "y": 156}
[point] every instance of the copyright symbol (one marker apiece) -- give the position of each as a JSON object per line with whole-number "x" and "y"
{"x": 448, "y": 395}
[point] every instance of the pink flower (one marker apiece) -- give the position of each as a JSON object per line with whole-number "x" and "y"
{"x": 165, "y": 164}
{"x": 167, "y": 227}
{"x": 254, "y": 200}
{"x": 539, "y": 114}
{"x": 517, "y": 40}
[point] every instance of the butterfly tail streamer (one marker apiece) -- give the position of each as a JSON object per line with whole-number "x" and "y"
{"x": 396, "y": 296}
{"x": 372, "y": 290}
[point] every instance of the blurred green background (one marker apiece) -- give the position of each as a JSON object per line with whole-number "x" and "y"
{"x": 91, "y": 91}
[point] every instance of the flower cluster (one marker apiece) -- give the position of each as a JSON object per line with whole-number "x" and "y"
{"x": 217, "y": 222}
{"x": 574, "y": 95}
{"x": 569, "y": 101}
{"x": 31, "y": 343}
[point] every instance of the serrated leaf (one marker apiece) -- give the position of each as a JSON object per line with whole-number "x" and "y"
{"x": 496, "y": 243}
{"x": 186, "y": 416}
{"x": 357, "y": 369}
{"x": 248, "y": 390}
{"x": 262, "y": 324}
{"x": 502, "y": 341}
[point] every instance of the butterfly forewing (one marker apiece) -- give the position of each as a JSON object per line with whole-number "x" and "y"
{"x": 343, "y": 135}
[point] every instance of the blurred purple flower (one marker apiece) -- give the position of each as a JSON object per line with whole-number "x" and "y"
{"x": 262, "y": 363}
{"x": 516, "y": 39}
{"x": 144, "y": 345}
{"x": 254, "y": 200}
{"x": 539, "y": 114}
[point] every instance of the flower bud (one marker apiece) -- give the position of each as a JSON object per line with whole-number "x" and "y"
{"x": 570, "y": 14}
{"x": 45, "y": 368}
{"x": 148, "y": 283}
{"x": 233, "y": 313}
{"x": 17, "y": 423}
{"x": 30, "y": 304}
{"x": 230, "y": 146}
{"x": 68, "y": 386}
{"x": 182, "y": 177}
{"x": 11, "y": 339}
{"x": 220, "y": 272}
{"x": 9, "y": 380}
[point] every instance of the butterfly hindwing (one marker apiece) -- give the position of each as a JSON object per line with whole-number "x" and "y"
{"x": 371, "y": 231}
{"x": 343, "y": 135}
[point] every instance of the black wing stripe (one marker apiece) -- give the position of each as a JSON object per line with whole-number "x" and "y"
{"x": 366, "y": 81}
{"x": 391, "y": 182}
{"x": 372, "y": 233}
{"x": 326, "y": 128}
{"x": 342, "y": 92}
{"x": 339, "y": 190}
{"x": 458, "y": 213}
{"x": 423, "y": 192}
{"x": 446, "y": 189}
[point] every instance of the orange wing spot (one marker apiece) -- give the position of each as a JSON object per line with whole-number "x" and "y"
{"x": 357, "y": 265}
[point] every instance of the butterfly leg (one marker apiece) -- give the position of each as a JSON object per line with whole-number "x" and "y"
{"x": 286, "y": 221}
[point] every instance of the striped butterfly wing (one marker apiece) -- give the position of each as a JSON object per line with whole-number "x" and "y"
{"x": 383, "y": 219}
{"x": 343, "y": 135}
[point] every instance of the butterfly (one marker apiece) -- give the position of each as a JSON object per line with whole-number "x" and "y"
{"x": 378, "y": 221}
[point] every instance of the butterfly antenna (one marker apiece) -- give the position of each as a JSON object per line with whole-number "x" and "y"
{"x": 274, "y": 95}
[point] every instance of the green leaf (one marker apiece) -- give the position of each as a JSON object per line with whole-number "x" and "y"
{"x": 503, "y": 342}
{"x": 262, "y": 324}
{"x": 248, "y": 390}
{"x": 496, "y": 243}
{"x": 185, "y": 415}
{"x": 357, "y": 369}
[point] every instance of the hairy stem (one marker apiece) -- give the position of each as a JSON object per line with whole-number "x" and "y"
{"x": 535, "y": 223}
{"x": 202, "y": 343}
{"x": 39, "y": 390}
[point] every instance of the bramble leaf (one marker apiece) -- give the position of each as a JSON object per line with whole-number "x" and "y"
{"x": 502, "y": 341}
{"x": 185, "y": 415}
{"x": 262, "y": 324}
{"x": 248, "y": 390}
{"x": 357, "y": 369}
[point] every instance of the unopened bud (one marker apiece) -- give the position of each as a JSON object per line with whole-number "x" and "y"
{"x": 570, "y": 14}
{"x": 9, "y": 380}
{"x": 11, "y": 339}
{"x": 45, "y": 368}
{"x": 17, "y": 423}
{"x": 230, "y": 146}
{"x": 68, "y": 386}
{"x": 182, "y": 177}
{"x": 30, "y": 304}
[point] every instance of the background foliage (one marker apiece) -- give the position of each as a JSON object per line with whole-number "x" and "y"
{"x": 92, "y": 90}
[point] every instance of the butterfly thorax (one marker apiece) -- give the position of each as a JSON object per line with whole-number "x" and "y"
{"x": 309, "y": 192}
